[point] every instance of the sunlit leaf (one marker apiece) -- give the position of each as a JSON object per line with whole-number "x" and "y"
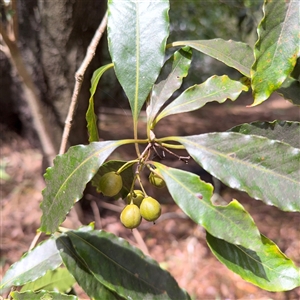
{"x": 277, "y": 47}
{"x": 137, "y": 33}
{"x": 66, "y": 180}
{"x": 216, "y": 88}
{"x": 91, "y": 118}
{"x": 78, "y": 268}
{"x": 123, "y": 268}
{"x": 266, "y": 169}
{"x": 283, "y": 131}
{"x": 59, "y": 280}
{"x": 32, "y": 265}
{"x": 41, "y": 295}
{"x": 114, "y": 165}
{"x": 176, "y": 67}
{"x": 231, "y": 222}
{"x": 234, "y": 54}
{"x": 267, "y": 267}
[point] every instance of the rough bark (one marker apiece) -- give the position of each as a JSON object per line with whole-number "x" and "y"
{"x": 53, "y": 38}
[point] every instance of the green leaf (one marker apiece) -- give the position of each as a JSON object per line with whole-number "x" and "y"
{"x": 78, "y": 268}
{"x": 91, "y": 118}
{"x": 66, "y": 180}
{"x": 283, "y": 131}
{"x": 137, "y": 34}
{"x": 234, "y": 54}
{"x": 231, "y": 222}
{"x": 123, "y": 268}
{"x": 276, "y": 49}
{"x": 267, "y": 268}
{"x": 32, "y": 265}
{"x": 59, "y": 280}
{"x": 115, "y": 165}
{"x": 177, "y": 67}
{"x": 216, "y": 88}
{"x": 42, "y": 295}
{"x": 266, "y": 169}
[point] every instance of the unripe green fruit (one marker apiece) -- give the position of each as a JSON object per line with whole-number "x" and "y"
{"x": 131, "y": 216}
{"x": 150, "y": 209}
{"x": 110, "y": 184}
{"x": 156, "y": 180}
{"x": 136, "y": 196}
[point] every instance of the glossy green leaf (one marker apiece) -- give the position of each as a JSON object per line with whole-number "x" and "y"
{"x": 267, "y": 268}
{"x": 78, "y": 268}
{"x": 216, "y": 88}
{"x": 59, "y": 280}
{"x": 42, "y": 295}
{"x": 115, "y": 165}
{"x": 32, "y": 265}
{"x": 91, "y": 118}
{"x": 123, "y": 268}
{"x": 234, "y": 54}
{"x": 176, "y": 67}
{"x": 266, "y": 169}
{"x": 231, "y": 222}
{"x": 66, "y": 180}
{"x": 277, "y": 47}
{"x": 283, "y": 131}
{"x": 137, "y": 34}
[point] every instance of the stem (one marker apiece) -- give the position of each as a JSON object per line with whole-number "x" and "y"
{"x": 79, "y": 76}
{"x": 172, "y": 146}
{"x": 135, "y": 135}
{"x": 32, "y": 98}
{"x": 176, "y": 44}
{"x": 127, "y": 165}
{"x": 141, "y": 185}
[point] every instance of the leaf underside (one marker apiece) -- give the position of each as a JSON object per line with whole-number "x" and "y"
{"x": 234, "y": 54}
{"x": 91, "y": 117}
{"x": 216, "y": 88}
{"x": 42, "y": 295}
{"x": 267, "y": 268}
{"x": 177, "y": 67}
{"x": 58, "y": 280}
{"x": 32, "y": 265}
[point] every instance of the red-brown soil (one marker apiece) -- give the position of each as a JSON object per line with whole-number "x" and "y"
{"x": 174, "y": 241}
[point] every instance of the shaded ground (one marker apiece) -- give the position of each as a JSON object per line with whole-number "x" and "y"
{"x": 175, "y": 241}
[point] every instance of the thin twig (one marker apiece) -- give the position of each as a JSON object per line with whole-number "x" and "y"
{"x": 31, "y": 96}
{"x": 34, "y": 241}
{"x": 140, "y": 241}
{"x": 95, "y": 209}
{"x": 79, "y": 79}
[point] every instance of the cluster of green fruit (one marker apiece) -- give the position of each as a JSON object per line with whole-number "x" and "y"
{"x": 138, "y": 205}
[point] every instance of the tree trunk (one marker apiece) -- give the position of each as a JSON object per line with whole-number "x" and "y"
{"x": 53, "y": 39}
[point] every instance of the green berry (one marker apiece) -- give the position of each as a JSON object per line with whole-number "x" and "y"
{"x": 131, "y": 216}
{"x": 150, "y": 209}
{"x": 136, "y": 197}
{"x": 156, "y": 180}
{"x": 110, "y": 184}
